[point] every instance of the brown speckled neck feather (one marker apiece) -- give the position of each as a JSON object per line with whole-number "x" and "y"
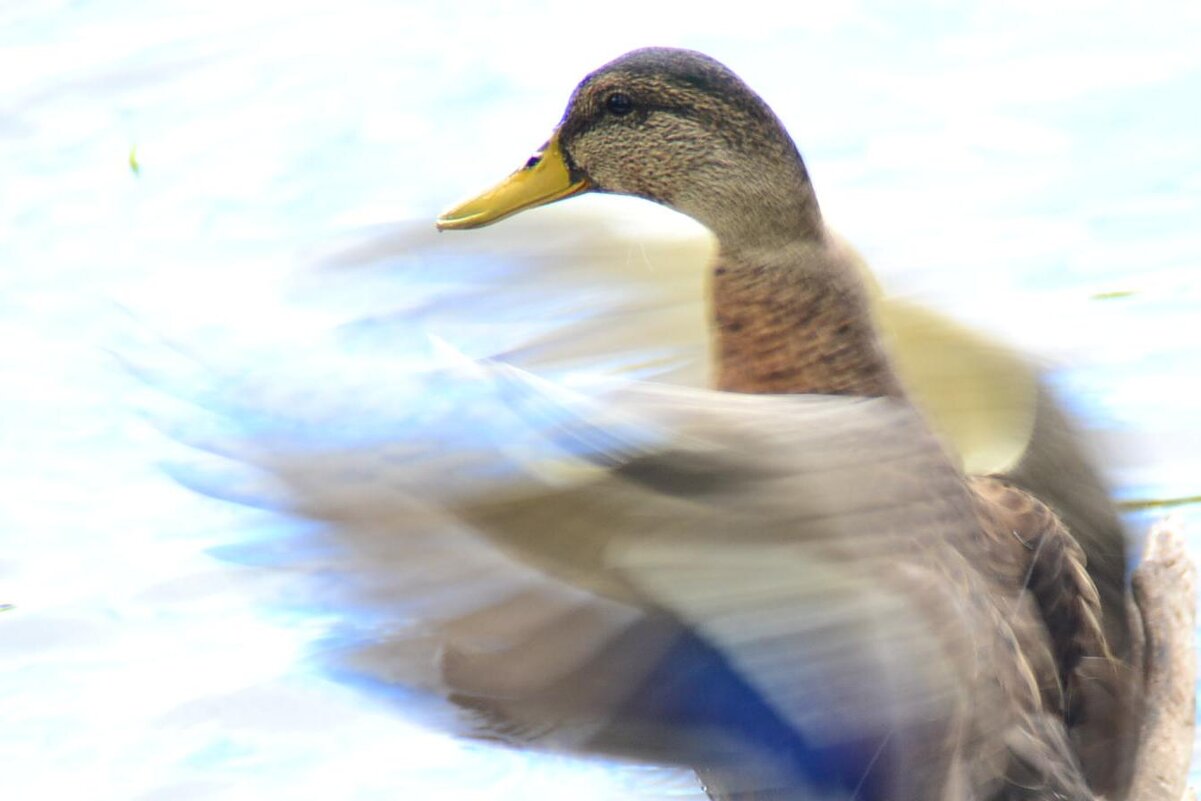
{"x": 778, "y": 330}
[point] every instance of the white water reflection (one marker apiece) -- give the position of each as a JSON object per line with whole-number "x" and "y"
{"x": 975, "y": 155}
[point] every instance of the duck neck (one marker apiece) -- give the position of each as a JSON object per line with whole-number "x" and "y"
{"x": 795, "y": 320}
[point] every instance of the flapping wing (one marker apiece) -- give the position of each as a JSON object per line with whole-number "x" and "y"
{"x": 775, "y": 590}
{"x": 770, "y": 584}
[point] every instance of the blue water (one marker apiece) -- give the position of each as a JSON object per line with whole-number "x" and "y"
{"x": 1004, "y": 162}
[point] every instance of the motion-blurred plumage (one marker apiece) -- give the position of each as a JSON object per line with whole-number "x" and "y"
{"x": 792, "y": 315}
{"x": 800, "y": 597}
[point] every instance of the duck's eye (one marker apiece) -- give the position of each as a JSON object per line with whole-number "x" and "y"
{"x": 619, "y": 103}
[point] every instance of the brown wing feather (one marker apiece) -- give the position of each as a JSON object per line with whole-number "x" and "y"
{"x": 1032, "y": 550}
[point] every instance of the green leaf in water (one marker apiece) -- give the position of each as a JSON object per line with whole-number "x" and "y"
{"x": 134, "y": 167}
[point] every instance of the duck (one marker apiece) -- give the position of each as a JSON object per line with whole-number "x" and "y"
{"x": 793, "y": 314}
{"x": 991, "y": 406}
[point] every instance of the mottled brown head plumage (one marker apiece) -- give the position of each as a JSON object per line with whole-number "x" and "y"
{"x": 679, "y": 128}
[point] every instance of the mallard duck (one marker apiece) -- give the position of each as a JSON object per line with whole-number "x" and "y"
{"x": 989, "y": 403}
{"x": 799, "y": 596}
{"x": 793, "y": 314}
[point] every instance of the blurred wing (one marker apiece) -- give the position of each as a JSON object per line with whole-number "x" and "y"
{"x": 771, "y": 588}
{"x": 651, "y": 571}
{"x": 561, "y": 288}
{"x": 614, "y": 293}
{"x": 630, "y": 300}
{"x": 978, "y": 394}
{"x": 810, "y": 543}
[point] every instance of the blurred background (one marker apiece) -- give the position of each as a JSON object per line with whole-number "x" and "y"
{"x": 180, "y": 167}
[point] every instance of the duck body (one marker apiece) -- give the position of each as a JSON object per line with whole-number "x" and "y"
{"x": 790, "y": 322}
{"x": 790, "y": 317}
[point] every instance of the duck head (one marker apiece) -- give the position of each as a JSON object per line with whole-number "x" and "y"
{"x": 675, "y": 127}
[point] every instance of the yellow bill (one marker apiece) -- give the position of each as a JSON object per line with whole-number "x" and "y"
{"x": 544, "y": 179}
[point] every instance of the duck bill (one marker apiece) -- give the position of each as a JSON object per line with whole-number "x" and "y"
{"x": 544, "y": 179}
